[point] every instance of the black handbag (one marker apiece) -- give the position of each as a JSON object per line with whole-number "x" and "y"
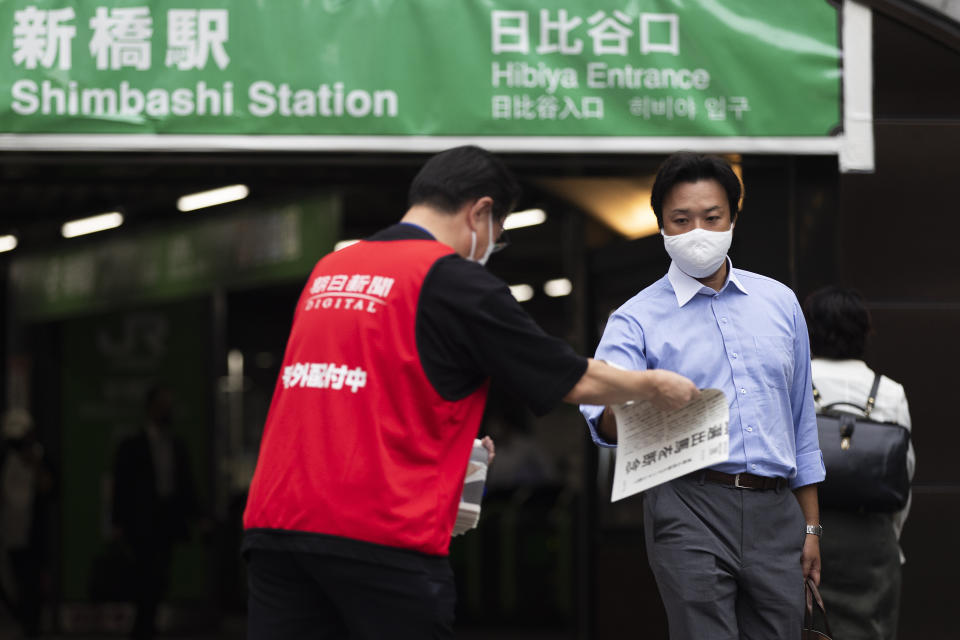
{"x": 866, "y": 460}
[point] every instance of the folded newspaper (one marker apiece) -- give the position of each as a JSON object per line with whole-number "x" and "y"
{"x": 655, "y": 446}
{"x": 476, "y": 476}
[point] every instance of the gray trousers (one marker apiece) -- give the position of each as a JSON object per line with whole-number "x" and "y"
{"x": 727, "y": 561}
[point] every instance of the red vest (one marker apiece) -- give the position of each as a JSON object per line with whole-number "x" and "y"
{"x": 358, "y": 443}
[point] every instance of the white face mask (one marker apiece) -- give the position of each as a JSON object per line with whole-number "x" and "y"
{"x": 698, "y": 253}
{"x": 473, "y": 243}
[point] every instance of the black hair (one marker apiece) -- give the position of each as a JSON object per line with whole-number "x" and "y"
{"x": 454, "y": 177}
{"x": 838, "y": 321}
{"x": 686, "y": 166}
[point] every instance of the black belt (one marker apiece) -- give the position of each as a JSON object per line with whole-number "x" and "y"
{"x": 743, "y": 480}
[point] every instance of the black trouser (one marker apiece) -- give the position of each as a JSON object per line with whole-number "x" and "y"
{"x": 861, "y": 574}
{"x": 152, "y": 564}
{"x": 27, "y": 572}
{"x": 297, "y": 595}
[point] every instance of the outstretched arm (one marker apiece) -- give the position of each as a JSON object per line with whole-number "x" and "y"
{"x": 606, "y": 385}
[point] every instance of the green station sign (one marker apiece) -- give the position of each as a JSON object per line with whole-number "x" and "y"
{"x": 366, "y": 72}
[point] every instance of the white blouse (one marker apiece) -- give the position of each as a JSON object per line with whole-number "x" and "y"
{"x": 850, "y": 381}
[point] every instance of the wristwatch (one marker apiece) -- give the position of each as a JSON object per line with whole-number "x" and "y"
{"x": 815, "y": 529}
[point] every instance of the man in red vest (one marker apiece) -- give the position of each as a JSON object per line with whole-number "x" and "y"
{"x": 394, "y": 342}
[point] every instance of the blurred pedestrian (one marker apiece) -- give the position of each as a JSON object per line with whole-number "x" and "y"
{"x": 154, "y": 501}
{"x": 25, "y": 480}
{"x": 522, "y": 461}
{"x": 860, "y": 551}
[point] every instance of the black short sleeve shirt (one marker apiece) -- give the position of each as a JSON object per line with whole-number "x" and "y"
{"x": 470, "y": 328}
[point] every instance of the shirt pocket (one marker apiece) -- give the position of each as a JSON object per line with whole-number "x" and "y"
{"x": 775, "y": 354}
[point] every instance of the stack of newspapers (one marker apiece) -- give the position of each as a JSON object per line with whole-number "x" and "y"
{"x": 469, "y": 513}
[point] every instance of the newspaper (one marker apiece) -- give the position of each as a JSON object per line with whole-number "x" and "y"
{"x": 468, "y": 514}
{"x": 655, "y": 446}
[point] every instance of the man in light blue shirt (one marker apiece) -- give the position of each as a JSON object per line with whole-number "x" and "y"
{"x": 729, "y": 546}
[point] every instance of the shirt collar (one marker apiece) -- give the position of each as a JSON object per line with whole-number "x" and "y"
{"x": 685, "y": 286}
{"x": 414, "y": 224}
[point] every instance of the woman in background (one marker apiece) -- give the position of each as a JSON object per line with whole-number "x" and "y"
{"x": 860, "y": 552}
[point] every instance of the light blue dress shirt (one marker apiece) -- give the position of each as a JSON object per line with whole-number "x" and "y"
{"x": 749, "y": 340}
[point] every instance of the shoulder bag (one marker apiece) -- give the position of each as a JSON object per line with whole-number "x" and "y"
{"x": 866, "y": 460}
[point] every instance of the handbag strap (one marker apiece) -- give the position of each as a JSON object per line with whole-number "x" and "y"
{"x": 872, "y": 399}
{"x": 814, "y": 594}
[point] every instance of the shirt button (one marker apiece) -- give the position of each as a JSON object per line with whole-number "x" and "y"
{"x": 743, "y": 391}
{"x": 753, "y": 466}
{"x": 750, "y": 429}
{"x": 723, "y": 320}
{"x": 734, "y": 355}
